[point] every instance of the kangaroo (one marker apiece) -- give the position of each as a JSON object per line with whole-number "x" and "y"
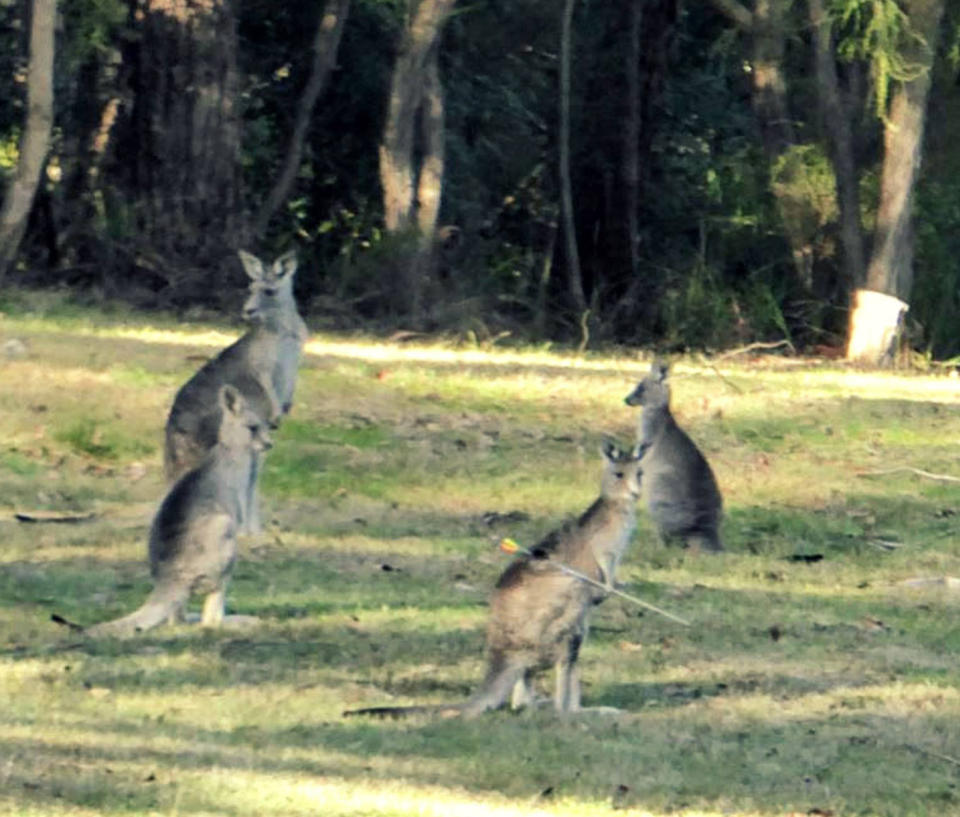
{"x": 538, "y": 613}
{"x": 680, "y": 490}
{"x": 262, "y": 365}
{"x": 193, "y": 537}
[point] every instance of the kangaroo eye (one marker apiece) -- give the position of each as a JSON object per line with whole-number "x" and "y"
{"x": 270, "y": 291}
{"x": 619, "y": 474}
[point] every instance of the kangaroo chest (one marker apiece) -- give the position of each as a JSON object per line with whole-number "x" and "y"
{"x": 608, "y": 549}
{"x": 604, "y": 538}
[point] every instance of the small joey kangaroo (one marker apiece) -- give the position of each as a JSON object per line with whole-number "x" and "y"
{"x": 193, "y": 537}
{"x": 679, "y": 486}
{"x": 538, "y": 612}
{"x": 262, "y": 365}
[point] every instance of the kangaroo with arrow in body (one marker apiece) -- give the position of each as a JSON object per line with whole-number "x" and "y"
{"x": 540, "y": 605}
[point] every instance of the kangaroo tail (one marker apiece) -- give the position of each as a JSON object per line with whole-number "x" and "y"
{"x": 491, "y": 695}
{"x": 58, "y": 619}
{"x": 396, "y": 712}
{"x": 501, "y": 677}
{"x": 161, "y": 605}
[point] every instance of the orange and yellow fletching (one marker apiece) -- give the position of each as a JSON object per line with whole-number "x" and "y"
{"x": 509, "y": 546}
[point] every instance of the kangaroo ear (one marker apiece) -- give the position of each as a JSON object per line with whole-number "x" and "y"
{"x": 660, "y": 370}
{"x": 285, "y": 265}
{"x": 610, "y": 449}
{"x": 251, "y": 264}
{"x": 639, "y": 450}
{"x": 230, "y": 399}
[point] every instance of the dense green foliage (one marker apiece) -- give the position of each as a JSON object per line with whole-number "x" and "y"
{"x": 714, "y": 265}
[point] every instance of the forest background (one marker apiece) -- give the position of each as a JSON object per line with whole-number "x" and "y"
{"x": 692, "y": 175}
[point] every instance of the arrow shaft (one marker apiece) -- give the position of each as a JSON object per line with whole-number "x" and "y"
{"x": 576, "y": 574}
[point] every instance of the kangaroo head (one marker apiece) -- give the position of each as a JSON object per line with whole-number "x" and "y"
{"x": 271, "y": 288}
{"x": 622, "y": 472}
{"x": 654, "y": 390}
{"x": 241, "y": 428}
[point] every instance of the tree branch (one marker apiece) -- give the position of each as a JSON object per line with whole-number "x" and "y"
{"x": 325, "y": 45}
{"x": 735, "y": 11}
{"x": 574, "y": 277}
{"x": 35, "y": 140}
{"x": 753, "y": 347}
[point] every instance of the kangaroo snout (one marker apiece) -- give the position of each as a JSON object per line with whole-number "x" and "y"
{"x": 635, "y": 398}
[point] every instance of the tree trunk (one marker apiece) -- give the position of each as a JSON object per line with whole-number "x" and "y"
{"x": 414, "y": 130}
{"x": 765, "y": 25}
{"x": 769, "y": 86}
{"x": 631, "y": 145}
{"x": 35, "y": 142}
{"x": 650, "y": 28}
{"x": 872, "y": 334}
{"x": 543, "y": 282}
{"x": 429, "y": 184}
{"x": 397, "y": 160}
{"x": 185, "y": 140}
{"x": 574, "y": 277}
{"x": 100, "y": 98}
{"x": 326, "y": 43}
{"x": 835, "y": 118}
{"x": 432, "y": 145}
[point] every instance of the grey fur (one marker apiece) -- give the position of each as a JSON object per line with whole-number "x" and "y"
{"x": 262, "y": 365}
{"x": 679, "y": 486}
{"x": 538, "y": 614}
{"x": 193, "y": 541}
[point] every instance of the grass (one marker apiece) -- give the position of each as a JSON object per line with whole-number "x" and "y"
{"x": 813, "y": 680}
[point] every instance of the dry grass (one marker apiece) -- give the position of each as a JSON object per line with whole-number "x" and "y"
{"x": 802, "y": 685}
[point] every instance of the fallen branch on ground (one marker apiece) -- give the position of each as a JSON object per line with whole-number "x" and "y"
{"x": 718, "y": 373}
{"x": 917, "y": 471}
{"x": 950, "y": 582}
{"x": 883, "y": 544}
{"x": 53, "y": 516}
{"x": 753, "y": 347}
{"x": 931, "y": 753}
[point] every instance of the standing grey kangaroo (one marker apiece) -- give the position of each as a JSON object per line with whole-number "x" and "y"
{"x": 193, "y": 537}
{"x": 680, "y": 489}
{"x": 538, "y": 613}
{"x": 262, "y": 365}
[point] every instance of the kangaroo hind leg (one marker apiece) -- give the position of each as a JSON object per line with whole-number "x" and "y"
{"x": 522, "y": 694}
{"x": 567, "y": 691}
{"x": 502, "y": 676}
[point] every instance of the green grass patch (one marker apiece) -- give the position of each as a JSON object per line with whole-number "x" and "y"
{"x": 366, "y": 436}
{"x": 19, "y": 465}
{"x": 102, "y": 440}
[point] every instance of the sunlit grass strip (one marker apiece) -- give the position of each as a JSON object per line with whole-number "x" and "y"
{"x": 823, "y": 381}
{"x": 231, "y": 781}
{"x": 333, "y": 797}
{"x": 897, "y": 699}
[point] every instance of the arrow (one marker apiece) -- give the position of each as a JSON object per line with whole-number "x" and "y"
{"x": 509, "y": 546}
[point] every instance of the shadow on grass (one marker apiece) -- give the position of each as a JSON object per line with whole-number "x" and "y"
{"x": 369, "y": 647}
{"x": 761, "y": 766}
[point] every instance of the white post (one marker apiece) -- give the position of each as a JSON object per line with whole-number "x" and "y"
{"x": 874, "y": 326}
